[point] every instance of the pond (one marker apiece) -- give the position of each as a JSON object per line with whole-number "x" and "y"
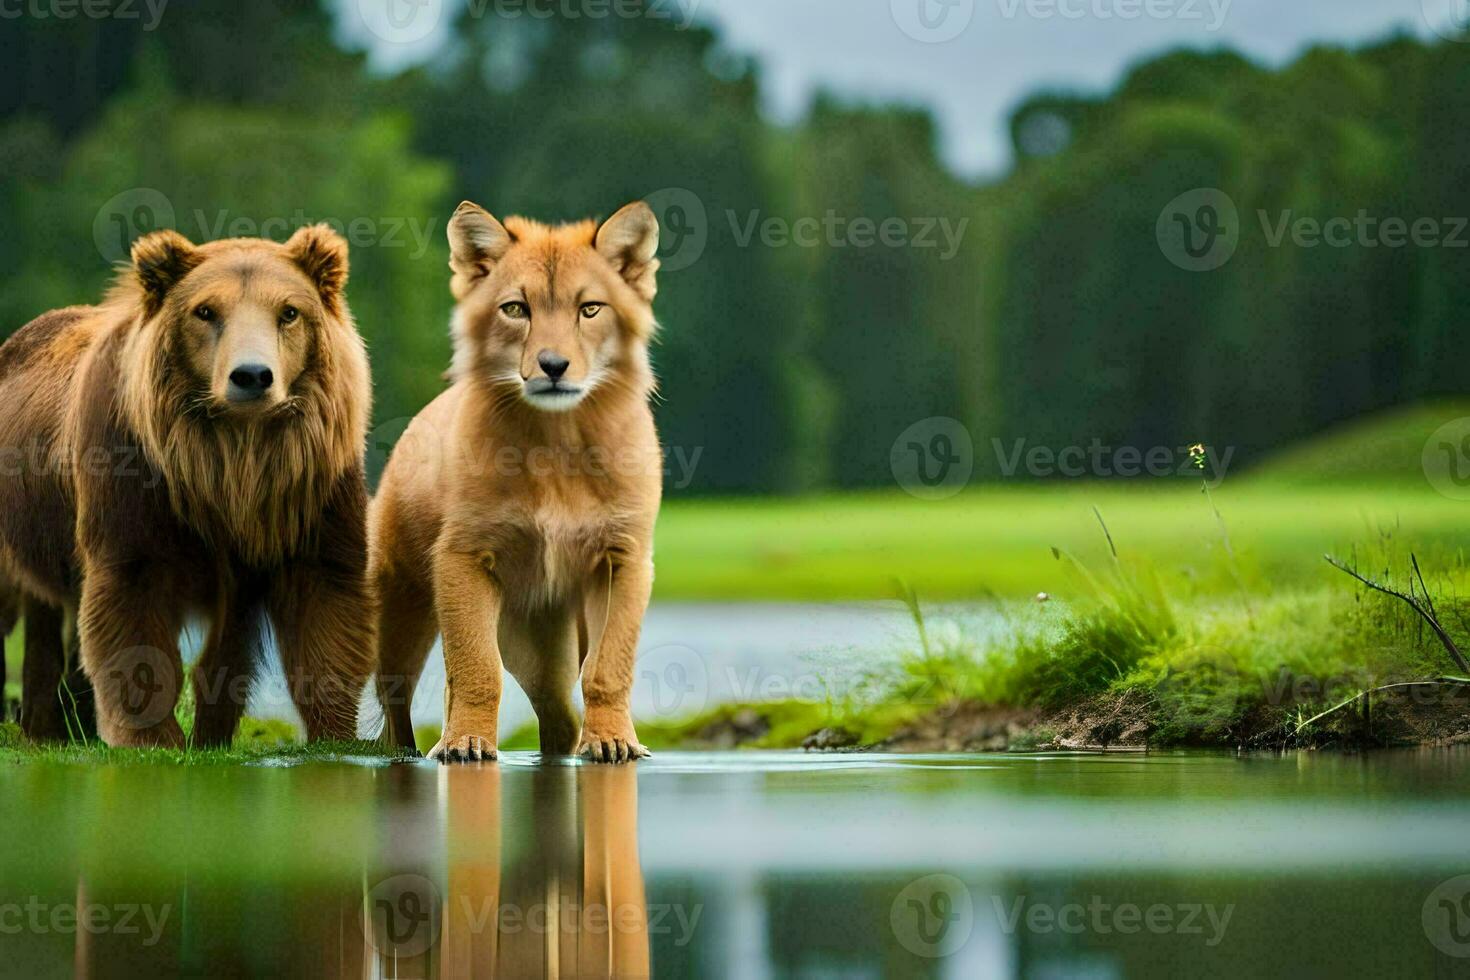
{"x": 696, "y": 655}
{"x": 745, "y": 865}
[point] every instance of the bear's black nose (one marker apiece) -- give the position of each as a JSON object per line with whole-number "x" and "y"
{"x": 553, "y": 364}
{"x": 249, "y": 381}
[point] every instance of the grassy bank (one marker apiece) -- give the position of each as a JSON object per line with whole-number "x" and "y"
{"x": 1126, "y": 662}
{"x": 996, "y": 541}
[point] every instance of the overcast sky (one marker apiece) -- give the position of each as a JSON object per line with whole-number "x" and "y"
{"x": 970, "y": 61}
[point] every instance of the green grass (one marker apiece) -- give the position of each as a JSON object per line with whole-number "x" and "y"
{"x": 997, "y": 540}
{"x": 1225, "y": 671}
{"x": 257, "y": 742}
{"x": 1383, "y": 447}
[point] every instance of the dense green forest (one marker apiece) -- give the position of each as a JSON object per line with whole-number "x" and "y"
{"x": 829, "y": 284}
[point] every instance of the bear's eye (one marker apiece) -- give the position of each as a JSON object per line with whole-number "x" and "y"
{"x": 590, "y": 310}
{"x": 516, "y": 311}
{"x": 205, "y": 312}
{"x": 289, "y": 314}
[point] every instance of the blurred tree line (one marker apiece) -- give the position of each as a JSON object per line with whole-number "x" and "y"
{"x": 1050, "y": 313}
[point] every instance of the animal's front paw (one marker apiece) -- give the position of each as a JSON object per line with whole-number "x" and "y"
{"x": 610, "y": 740}
{"x": 463, "y": 748}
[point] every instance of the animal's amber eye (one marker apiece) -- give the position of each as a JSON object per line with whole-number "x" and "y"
{"x": 205, "y": 312}
{"x": 516, "y": 311}
{"x": 590, "y": 310}
{"x": 289, "y": 314}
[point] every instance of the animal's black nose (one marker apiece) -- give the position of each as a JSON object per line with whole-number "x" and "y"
{"x": 553, "y": 364}
{"x": 251, "y": 379}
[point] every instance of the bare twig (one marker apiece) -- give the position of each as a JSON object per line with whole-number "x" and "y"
{"x": 1428, "y": 599}
{"x": 1431, "y": 682}
{"x": 1415, "y": 604}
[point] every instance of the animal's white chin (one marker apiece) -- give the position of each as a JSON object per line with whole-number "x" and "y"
{"x": 559, "y": 399}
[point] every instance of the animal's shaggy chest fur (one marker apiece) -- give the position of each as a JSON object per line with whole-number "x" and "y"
{"x": 548, "y": 553}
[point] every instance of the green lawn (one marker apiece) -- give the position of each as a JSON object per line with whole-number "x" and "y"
{"x": 1345, "y": 485}
{"x": 998, "y": 539}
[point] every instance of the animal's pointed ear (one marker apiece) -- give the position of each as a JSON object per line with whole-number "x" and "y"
{"x": 476, "y": 242}
{"x": 160, "y": 260}
{"x": 629, "y": 240}
{"x": 322, "y": 255}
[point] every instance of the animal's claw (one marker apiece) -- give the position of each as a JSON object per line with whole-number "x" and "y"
{"x": 463, "y": 748}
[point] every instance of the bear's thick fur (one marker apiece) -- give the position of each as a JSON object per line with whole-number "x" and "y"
{"x": 193, "y": 446}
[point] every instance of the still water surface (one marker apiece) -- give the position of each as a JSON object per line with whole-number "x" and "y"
{"x": 745, "y": 865}
{"x": 696, "y": 655}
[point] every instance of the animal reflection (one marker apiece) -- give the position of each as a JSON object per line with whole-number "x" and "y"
{"x": 483, "y": 872}
{"x": 543, "y": 881}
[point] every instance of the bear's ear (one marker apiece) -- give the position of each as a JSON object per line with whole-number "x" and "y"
{"x": 476, "y": 242}
{"x": 629, "y": 240}
{"x": 160, "y": 260}
{"x": 322, "y": 255}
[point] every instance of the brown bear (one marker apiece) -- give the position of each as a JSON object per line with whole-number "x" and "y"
{"x": 193, "y": 446}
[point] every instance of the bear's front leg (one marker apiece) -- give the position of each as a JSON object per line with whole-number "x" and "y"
{"x": 324, "y": 619}
{"x": 607, "y": 676}
{"x": 129, "y": 622}
{"x": 467, "y": 598}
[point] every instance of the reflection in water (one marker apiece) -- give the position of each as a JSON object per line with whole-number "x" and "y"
{"x": 466, "y": 880}
{"x": 544, "y": 883}
{"x": 755, "y": 865}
